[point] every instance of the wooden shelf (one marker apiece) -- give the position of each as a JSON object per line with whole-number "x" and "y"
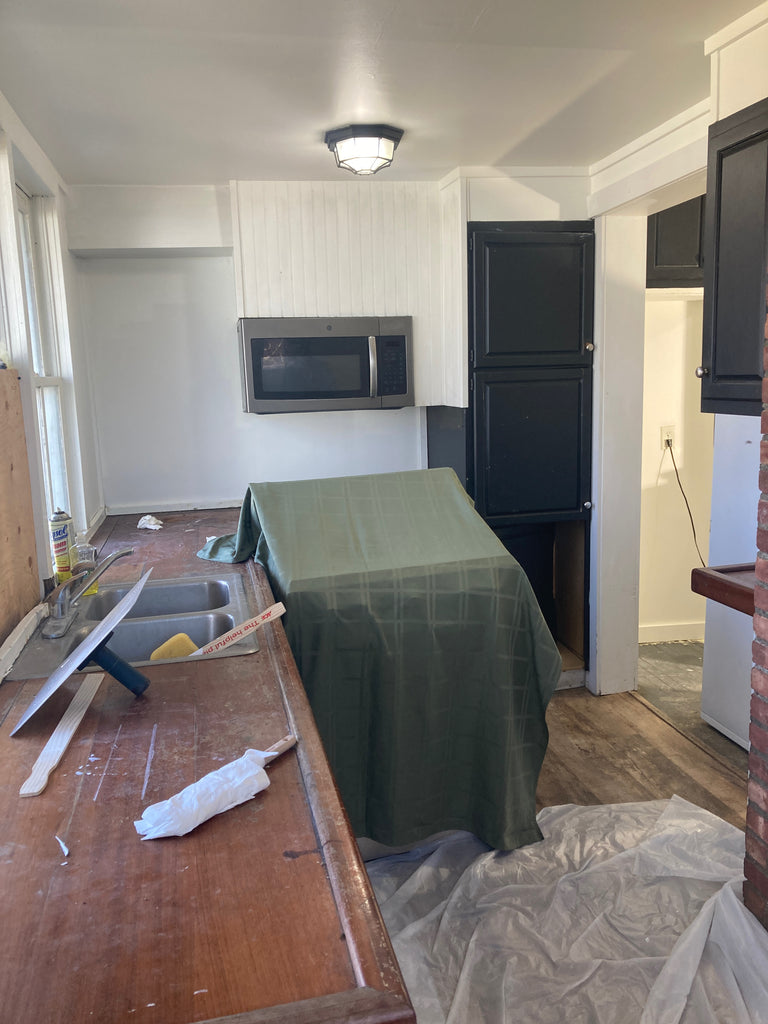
{"x": 731, "y": 585}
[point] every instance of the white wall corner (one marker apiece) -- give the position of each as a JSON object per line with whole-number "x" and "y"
{"x": 451, "y": 365}
{"x": 617, "y": 443}
{"x": 237, "y": 247}
{"x": 33, "y": 168}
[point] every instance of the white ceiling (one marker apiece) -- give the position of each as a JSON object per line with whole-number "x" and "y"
{"x": 162, "y": 92}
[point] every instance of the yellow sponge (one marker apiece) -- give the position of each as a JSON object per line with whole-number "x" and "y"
{"x": 179, "y": 646}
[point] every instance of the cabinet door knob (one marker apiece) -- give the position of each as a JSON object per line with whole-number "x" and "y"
{"x": 589, "y": 347}
{"x": 587, "y": 504}
{"x": 702, "y": 371}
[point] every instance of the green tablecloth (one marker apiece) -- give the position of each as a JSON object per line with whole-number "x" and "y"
{"x": 424, "y": 654}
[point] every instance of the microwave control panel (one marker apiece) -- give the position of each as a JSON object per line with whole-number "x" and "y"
{"x": 393, "y": 364}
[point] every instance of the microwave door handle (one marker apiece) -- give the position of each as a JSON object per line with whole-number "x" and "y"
{"x": 373, "y": 366}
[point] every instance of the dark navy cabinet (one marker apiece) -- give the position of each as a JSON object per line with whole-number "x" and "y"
{"x": 523, "y": 447}
{"x": 735, "y": 259}
{"x": 674, "y": 254}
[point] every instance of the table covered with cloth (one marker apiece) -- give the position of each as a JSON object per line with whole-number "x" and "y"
{"x": 424, "y": 654}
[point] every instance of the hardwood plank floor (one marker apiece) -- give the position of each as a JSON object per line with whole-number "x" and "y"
{"x": 616, "y": 749}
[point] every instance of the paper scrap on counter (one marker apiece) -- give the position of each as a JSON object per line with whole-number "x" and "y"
{"x": 219, "y": 791}
{"x": 150, "y": 523}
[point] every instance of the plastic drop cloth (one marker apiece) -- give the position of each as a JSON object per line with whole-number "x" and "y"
{"x": 623, "y": 913}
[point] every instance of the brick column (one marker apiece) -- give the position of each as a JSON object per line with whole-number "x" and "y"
{"x": 756, "y": 860}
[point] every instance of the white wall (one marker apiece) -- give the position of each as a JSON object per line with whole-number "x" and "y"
{"x": 161, "y": 334}
{"x": 726, "y": 677}
{"x": 669, "y": 610}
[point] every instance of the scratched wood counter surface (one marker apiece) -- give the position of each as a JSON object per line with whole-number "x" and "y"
{"x": 262, "y": 914}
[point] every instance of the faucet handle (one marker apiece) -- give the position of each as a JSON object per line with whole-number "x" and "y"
{"x": 59, "y": 599}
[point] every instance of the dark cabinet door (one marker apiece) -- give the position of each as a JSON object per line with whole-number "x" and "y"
{"x": 531, "y": 293}
{"x": 532, "y": 443}
{"x": 675, "y": 242}
{"x": 736, "y": 229}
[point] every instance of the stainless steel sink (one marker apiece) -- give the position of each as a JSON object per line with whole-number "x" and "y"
{"x": 202, "y": 607}
{"x": 163, "y": 597}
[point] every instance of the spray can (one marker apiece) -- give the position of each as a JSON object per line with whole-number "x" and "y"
{"x": 60, "y": 529}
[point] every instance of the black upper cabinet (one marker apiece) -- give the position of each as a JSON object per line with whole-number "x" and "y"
{"x": 735, "y": 246}
{"x": 675, "y": 243}
{"x": 532, "y": 293}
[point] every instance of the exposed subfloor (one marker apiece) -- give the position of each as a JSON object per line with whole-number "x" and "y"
{"x": 669, "y": 679}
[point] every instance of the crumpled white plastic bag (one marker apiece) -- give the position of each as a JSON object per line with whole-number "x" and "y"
{"x": 220, "y": 790}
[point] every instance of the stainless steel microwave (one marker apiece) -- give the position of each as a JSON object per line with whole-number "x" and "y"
{"x": 307, "y": 364}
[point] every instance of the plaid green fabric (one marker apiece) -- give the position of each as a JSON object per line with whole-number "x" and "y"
{"x": 424, "y": 654}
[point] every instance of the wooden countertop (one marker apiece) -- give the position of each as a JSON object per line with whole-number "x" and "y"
{"x": 731, "y": 585}
{"x": 262, "y": 914}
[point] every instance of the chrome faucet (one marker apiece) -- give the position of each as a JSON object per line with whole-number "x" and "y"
{"x": 63, "y": 600}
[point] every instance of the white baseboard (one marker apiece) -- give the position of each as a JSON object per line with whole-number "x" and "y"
{"x": 95, "y": 522}
{"x": 666, "y": 632}
{"x": 158, "y": 507}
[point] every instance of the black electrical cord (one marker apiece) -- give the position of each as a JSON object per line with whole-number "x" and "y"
{"x": 690, "y": 514}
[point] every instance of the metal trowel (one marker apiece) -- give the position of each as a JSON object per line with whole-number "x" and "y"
{"x": 94, "y": 648}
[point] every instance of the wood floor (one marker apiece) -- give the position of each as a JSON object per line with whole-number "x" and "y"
{"x": 616, "y": 749}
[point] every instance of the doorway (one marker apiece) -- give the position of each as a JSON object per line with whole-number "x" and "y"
{"x": 674, "y": 517}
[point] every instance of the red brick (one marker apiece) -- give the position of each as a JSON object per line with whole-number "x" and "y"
{"x": 758, "y": 709}
{"x": 761, "y": 598}
{"x": 761, "y": 562}
{"x": 757, "y": 823}
{"x": 760, "y": 653}
{"x": 759, "y": 681}
{"x": 760, "y": 625}
{"x": 754, "y": 902}
{"x": 757, "y": 850}
{"x": 758, "y": 738}
{"x": 756, "y": 876}
{"x": 763, "y": 478}
{"x": 762, "y": 540}
{"x": 757, "y": 794}
{"x": 758, "y": 768}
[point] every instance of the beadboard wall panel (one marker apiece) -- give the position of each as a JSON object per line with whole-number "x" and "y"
{"x": 318, "y": 248}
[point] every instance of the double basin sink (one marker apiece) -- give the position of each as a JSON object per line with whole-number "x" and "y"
{"x": 203, "y": 607}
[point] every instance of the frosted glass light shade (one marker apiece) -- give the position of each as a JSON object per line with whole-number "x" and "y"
{"x": 363, "y": 148}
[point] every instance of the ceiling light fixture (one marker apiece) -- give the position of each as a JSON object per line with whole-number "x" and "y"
{"x": 363, "y": 148}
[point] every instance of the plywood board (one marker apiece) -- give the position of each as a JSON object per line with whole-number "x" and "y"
{"x": 18, "y": 552}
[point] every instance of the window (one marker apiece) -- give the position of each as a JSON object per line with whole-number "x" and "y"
{"x": 45, "y": 365}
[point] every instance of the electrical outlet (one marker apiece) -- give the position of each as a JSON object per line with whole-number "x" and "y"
{"x": 667, "y": 437}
